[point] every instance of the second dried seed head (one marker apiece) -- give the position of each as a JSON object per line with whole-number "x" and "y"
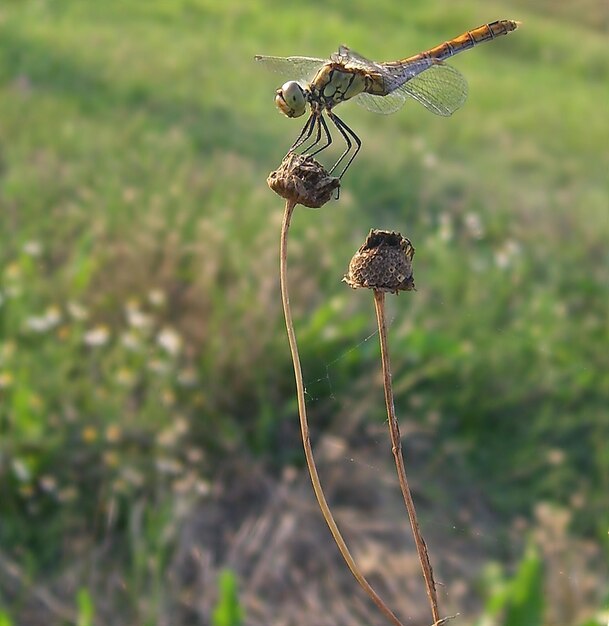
{"x": 383, "y": 263}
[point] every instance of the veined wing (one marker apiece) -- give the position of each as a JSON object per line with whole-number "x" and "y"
{"x": 297, "y": 68}
{"x": 381, "y": 104}
{"x": 396, "y": 73}
{"x": 352, "y": 60}
{"x": 441, "y": 89}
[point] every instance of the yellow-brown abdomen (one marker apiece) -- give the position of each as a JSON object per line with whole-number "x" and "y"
{"x": 469, "y": 39}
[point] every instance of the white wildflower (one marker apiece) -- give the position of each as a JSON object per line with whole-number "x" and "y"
{"x": 32, "y": 248}
{"x": 446, "y": 227}
{"x": 506, "y": 254}
{"x": 194, "y": 455}
{"x": 13, "y": 291}
{"x": 170, "y": 341}
{"x": 6, "y": 380}
{"x": 430, "y": 160}
{"x": 132, "y": 476}
{"x": 42, "y": 323}
{"x": 158, "y": 366}
{"x": 202, "y": 487}
{"x": 36, "y": 323}
{"x": 125, "y": 376}
{"x": 169, "y": 466}
{"x": 97, "y": 336}
{"x": 130, "y": 341}
{"x": 187, "y": 377}
{"x": 138, "y": 319}
{"x": 181, "y": 425}
{"x": 21, "y": 470}
{"x": 156, "y": 297}
{"x": 77, "y": 311}
{"x": 474, "y": 226}
{"x": 48, "y": 483}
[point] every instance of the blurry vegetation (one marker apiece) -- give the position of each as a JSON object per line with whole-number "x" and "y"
{"x": 520, "y": 600}
{"x": 227, "y": 611}
{"x": 523, "y": 599}
{"x": 140, "y": 333}
{"x": 85, "y": 608}
{"x": 5, "y": 620}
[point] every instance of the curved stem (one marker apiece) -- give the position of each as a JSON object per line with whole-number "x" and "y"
{"x": 396, "y": 448}
{"x": 304, "y": 427}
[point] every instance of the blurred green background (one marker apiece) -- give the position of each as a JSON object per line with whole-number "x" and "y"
{"x": 144, "y": 369}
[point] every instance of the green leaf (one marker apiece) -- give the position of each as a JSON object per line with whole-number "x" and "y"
{"x": 5, "y": 620}
{"x": 525, "y": 603}
{"x": 228, "y": 612}
{"x": 84, "y": 603}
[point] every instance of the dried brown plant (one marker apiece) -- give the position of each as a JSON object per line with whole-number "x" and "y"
{"x": 302, "y": 180}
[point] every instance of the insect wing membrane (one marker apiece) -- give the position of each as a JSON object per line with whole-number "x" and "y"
{"x": 441, "y": 89}
{"x": 297, "y": 68}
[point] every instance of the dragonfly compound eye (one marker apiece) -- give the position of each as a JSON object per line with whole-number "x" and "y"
{"x": 291, "y": 100}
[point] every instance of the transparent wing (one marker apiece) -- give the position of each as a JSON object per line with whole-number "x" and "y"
{"x": 381, "y": 104}
{"x": 441, "y": 89}
{"x": 352, "y": 60}
{"x": 297, "y": 68}
{"x": 399, "y": 72}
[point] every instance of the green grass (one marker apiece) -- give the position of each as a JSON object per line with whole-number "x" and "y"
{"x": 135, "y": 140}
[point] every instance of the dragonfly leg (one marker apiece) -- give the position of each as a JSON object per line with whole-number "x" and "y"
{"x": 317, "y": 137}
{"x": 322, "y": 124}
{"x": 347, "y": 134}
{"x": 305, "y": 133}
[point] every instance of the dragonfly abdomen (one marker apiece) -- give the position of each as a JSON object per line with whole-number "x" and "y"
{"x": 468, "y": 40}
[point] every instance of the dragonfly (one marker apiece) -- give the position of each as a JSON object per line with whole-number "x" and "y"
{"x": 381, "y": 87}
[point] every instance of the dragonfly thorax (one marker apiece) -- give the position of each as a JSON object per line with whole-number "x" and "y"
{"x": 291, "y": 99}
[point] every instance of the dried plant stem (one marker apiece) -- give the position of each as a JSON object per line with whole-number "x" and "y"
{"x": 396, "y": 447}
{"x": 304, "y": 427}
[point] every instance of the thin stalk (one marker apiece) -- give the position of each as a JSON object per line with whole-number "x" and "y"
{"x": 304, "y": 427}
{"x": 396, "y": 448}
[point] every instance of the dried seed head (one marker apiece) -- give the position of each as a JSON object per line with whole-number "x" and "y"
{"x": 383, "y": 263}
{"x": 303, "y": 180}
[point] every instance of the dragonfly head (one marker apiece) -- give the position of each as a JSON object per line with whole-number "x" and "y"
{"x": 291, "y": 99}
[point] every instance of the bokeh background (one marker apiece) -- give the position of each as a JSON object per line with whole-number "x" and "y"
{"x": 150, "y": 464}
